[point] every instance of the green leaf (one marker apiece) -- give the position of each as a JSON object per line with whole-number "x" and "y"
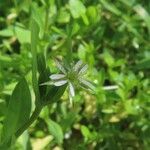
{"x": 93, "y": 14}
{"x": 6, "y": 32}
{"x": 19, "y": 109}
{"x": 4, "y": 146}
{"x": 85, "y": 131}
{"x": 141, "y": 11}
{"x": 34, "y": 42}
{"x": 68, "y": 120}
{"x": 43, "y": 77}
{"x": 23, "y": 35}
{"x": 54, "y": 94}
{"x": 75, "y": 28}
{"x": 63, "y": 17}
{"x": 143, "y": 65}
{"x": 25, "y": 141}
{"x": 82, "y": 51}
{"x": 112, "y": 8}
{"x": 128, "y": 2}
{"x": 44, "y": 74}
{"x": 108, "y": 58}
{"x": 77, "y": 8}
{"x": 38, "y": 15}
{"x": 85, "y": 19}
{"x": 2, "y": 108}
{"x": 55, "y": 130}
{"x": 41, "y": 62}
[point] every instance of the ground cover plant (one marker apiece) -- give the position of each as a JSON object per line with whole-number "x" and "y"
{"x": 74, "y": 75}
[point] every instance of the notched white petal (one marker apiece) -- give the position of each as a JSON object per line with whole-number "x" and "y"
{"x": 60, "y": 66}
{"x": 60, "y": 83}
{"x": 87, "y": 83}
{"x": 83, "y": 69}
{"x": 111, "y": 87}
{"x": 71, "y": 89}
{"x": 78, "y": 65}
{"x": 57, "y": 76}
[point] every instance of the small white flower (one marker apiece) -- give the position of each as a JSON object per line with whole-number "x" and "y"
{"x": 73, "y": 76}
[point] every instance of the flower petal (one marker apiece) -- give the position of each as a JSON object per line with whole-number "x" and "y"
{"x": 78, "y": 65}
{"x": 60, "y": 66}
{"x": 60, "y": 83}
{"x": 111, "y": 87}
{"x": 71, "y": 89}
{"x": 83, "y": 69}
{"x": 87, "y": 83}
{"x": 57, "y": 76}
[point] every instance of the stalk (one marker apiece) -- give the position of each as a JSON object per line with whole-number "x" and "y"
{"x": 33, "y": 117}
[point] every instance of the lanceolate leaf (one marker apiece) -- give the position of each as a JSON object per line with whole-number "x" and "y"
{"x": 41, "y": 63}
{"x": 54, "y": 94}
{"x": 56, "y": 130}
{"x": 18, "y": 109}
{"x": 43, "y": 77}
{"x": 77, "y": 8}
{"x": 34, "y": 40}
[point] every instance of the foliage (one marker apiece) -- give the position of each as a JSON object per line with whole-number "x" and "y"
{"x": 112, "y": 37}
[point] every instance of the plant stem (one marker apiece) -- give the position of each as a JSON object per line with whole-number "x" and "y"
{"x": 46, "y": 19}
{"x": 69, "y": 50}
{"x": 33, "y": 117}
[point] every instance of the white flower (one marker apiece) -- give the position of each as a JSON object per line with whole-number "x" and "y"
{"x": 73, "y": 76}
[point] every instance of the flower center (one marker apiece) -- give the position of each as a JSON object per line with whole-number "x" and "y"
{"x": 72, "y": 76}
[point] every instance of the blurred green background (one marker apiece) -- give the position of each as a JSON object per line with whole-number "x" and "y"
{"x": 113, "y": 38}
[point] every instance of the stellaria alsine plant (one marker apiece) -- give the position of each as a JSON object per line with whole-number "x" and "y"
{"x": 73, "y": 75}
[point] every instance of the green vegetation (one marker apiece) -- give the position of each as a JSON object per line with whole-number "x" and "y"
{"x": 112, "y": 37}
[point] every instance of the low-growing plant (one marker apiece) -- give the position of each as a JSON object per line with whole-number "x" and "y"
{"x": 74, "y": 75}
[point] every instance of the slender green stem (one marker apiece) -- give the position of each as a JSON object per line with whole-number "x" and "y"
{"x": 46, "y": 18}
{"x": 69, "y": 50}
{"x": 33, "y": 117}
